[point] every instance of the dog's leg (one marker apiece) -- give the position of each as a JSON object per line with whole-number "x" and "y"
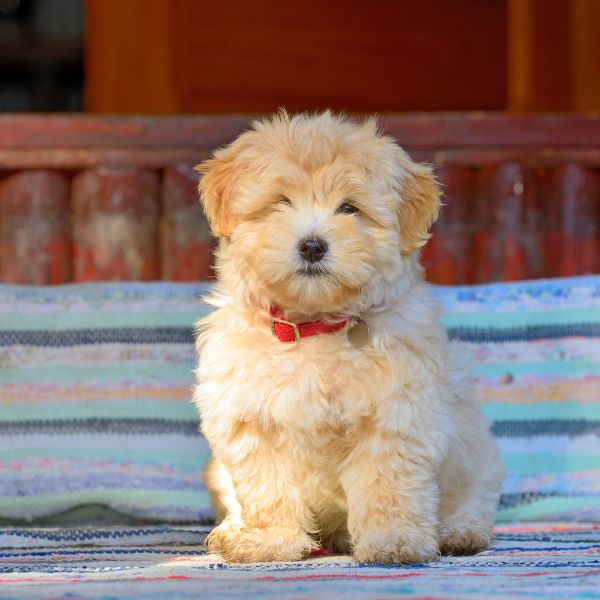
{"x": 470, "y": 527}
{"x": 470, "y": 485}
{"x": 392, "y": 502}
{"x": 222, "y": 493}
{"x": 273, "y": 522}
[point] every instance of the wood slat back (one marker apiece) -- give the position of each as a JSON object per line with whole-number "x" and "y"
{"x": 114, "y": 198}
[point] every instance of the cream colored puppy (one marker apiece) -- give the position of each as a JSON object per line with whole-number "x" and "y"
{"x": 352, "y": 430}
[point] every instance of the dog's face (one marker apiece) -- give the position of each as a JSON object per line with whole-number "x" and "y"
{"x": 316, "y": 209}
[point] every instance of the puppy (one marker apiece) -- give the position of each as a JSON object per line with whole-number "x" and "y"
{"x": 326, "y": 386}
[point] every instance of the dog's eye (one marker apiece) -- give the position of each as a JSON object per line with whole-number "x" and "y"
{"x": 284, "y": 200}
{"x": 347, "y": 209}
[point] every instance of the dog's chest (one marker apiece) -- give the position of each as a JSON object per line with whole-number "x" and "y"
{"x": 325, "y": 388}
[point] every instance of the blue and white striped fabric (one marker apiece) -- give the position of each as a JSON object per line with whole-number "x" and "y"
{"x": 535, "y": 349}
{"x": 95, "y": 388}
{"x": 528, "y": 562}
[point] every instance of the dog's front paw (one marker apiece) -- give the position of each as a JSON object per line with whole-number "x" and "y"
{"x": 468, "y": 540}
{"x": 396, "y": 546}
{"x": 243, "y": 544}
{"x": 218, "y": 538}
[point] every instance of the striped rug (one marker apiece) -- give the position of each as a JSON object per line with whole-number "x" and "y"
{"x": 528, "y": 561}
{"x": 96, "y": 379}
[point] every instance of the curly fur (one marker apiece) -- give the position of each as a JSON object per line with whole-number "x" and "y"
{"x": 379, "y": 450}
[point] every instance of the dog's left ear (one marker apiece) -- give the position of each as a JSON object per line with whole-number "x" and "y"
{"x": 419, "y": 206}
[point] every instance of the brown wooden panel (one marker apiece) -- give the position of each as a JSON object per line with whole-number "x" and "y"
{"x": 520, "y": 54}
{"x": 553, "y": 55}
{"x": 115, "y": 225}
{"x": 240, "y": 56}
{"x": 128, "y": 56}
{"x": 35, "y": 245}
{"x": 552, "y": 47}
{"x": 585, "y": 25}
{"x": 186, "y": 242}
{"x": 540, "y": 53}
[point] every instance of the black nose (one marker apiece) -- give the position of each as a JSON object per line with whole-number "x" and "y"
{"x": 312, "y": 249}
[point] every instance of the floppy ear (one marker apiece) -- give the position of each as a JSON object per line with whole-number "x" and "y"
{"x": 420, "y": 204}
{"x": 218, "y": 178}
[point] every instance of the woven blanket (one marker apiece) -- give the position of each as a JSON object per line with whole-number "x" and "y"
{"x": 530, "y": 561}
{"x": 95, "y": 388}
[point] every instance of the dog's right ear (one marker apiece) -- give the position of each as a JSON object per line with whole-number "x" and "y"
{"x": 218, "y": 178}
{"x": 420, "y": 194}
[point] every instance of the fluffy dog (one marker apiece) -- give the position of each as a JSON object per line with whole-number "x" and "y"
{"x": 354, "y": 430}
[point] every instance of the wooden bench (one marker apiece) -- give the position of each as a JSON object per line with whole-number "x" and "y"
{"x": 88, "y": 199}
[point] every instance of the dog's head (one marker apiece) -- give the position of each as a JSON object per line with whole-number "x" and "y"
{"x": 314, "y": 210}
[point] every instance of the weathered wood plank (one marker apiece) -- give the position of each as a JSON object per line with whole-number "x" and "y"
{"x": 186, "y": 242}
{"x": 115, "y": 225}
{"x": 573, "y": 229}
{"x": 35, "y": 245}
{"x": 417, "y": 131}
{"x": 83, "y": 158}
{"x": 509, "y": 238}
{"x": 446, "y": 255}
{"x": 59, "y": 158}
{"x": 551, "y": 227}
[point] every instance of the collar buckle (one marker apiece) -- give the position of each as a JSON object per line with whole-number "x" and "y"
{"x": 294, "y": 327}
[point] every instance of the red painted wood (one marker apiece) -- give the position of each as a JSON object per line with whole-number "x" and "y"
{"x": 426, "y": 131}
{"x": 35, "y": 246}
{"x": 159, "y": 158}
{"x": 509, "y": 238}
{"x": 64, "y": 142}
{"x": 448, "y": 257}
{"x": 115, "y": 225}
{"x": 513, "y": 238}
{"x": 573, "y": 235}
{"x": 130, "y": 133}
{"x": 187, "y": 244}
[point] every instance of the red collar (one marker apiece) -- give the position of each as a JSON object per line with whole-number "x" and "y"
{"x": 286, "y": 331}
